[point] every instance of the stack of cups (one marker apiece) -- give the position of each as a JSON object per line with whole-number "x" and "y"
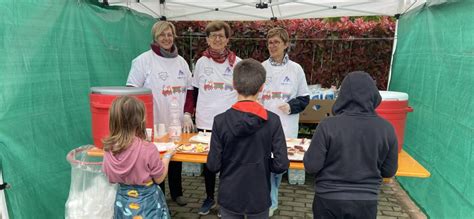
{"x": 149, "y": 133}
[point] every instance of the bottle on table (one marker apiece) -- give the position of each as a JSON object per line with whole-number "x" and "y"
{"x": 174, "y": 128}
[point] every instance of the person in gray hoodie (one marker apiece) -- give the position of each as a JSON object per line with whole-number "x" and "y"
{"x": 351, "y": 152}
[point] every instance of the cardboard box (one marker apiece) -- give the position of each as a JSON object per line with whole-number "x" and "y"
{"x": 316, "y": 111}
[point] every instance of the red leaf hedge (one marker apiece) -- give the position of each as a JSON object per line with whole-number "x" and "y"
{"x": 326, "y": 49}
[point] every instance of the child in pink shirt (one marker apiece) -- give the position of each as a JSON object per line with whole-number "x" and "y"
{"x": 134, "y": 163}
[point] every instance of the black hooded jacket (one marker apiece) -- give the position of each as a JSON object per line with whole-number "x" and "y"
{"x": 352, "y": 151}
{"x": 243, "y": 139}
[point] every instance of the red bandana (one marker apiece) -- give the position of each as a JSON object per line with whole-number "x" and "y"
{"x": 220, "y": 57}
{"x": 251, "y": 107}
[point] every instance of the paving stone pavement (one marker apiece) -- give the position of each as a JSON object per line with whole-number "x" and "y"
{"x": 296, "y": 201}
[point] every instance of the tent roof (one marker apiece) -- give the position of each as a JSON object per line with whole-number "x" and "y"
{"x": 265, "y": 10}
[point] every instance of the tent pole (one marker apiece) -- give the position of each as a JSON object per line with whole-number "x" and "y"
{"x": 344, "y": 8}
{"x": 162, "y": 10}
{"x": 394, "y": 48}
{"x": 191, "y": 51}
{"x": 3, "y": 203}
{"x": 145, "y": 7}
{"x": 210, "y": 9}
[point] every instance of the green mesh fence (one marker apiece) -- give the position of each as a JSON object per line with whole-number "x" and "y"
{"x": 51, "y": 53}
{"x": 434, "y": 64}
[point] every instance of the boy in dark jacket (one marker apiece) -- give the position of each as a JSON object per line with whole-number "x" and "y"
{"x": 351, "y": 153}
{"x": 242, "y": 142}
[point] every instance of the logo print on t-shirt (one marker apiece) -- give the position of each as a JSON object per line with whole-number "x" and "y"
{"x": 228, "y": 87}
{"x": 286, "y": 81}
{"x": 274, "y": 95}
{"x": 167, "y": 91}
{"x": 268, "y": 81}
{"x": 163, "y": 75}
{"x": 266, "y": 95}
{"x": 219, "y": 85}
{"x": 208, "y": 71}
{"x": 228, "y": 72}
{"x": 177, "y": 89}
{"x": 173, "y": 90}
{"x": 181, "y": 74}
{"x": 210, "y": 85}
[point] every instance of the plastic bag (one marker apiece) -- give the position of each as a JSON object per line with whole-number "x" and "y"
{"x": 90, "y": 194}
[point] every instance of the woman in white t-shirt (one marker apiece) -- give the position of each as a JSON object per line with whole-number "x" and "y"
{"x": 285, "y": 92}
{"x": 212, "y": 82}
{"x": 167, "y": 74}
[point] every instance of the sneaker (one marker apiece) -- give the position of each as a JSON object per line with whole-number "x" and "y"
{"x": 207, "y": 206}
{"x": 180, "y": 200}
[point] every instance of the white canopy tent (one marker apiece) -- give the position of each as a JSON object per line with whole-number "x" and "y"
{"x": 246, "y": 10}
{"x": 243, "y": 10}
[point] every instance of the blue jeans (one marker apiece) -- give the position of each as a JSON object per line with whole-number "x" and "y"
{"x": 275, "y": 181}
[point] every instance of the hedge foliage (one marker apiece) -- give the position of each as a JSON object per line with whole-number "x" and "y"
{"x": 327, "y": 49}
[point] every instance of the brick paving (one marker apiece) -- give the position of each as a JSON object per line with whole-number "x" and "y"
{"x": 296, "y": 201}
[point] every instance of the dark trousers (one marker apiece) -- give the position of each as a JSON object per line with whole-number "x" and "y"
{"x": 226, "y": 214}
{"x": 209, "y": 182}
{"x": 174, "y": 180}
{"x": 209, "y": 177}
{"x": 344, "y": 209}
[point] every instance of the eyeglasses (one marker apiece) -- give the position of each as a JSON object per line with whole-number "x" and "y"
{"x": 215, "y": 36}
{"x": 274, "y": 43}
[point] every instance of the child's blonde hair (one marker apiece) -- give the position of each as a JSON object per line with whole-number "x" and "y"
{"x": 126, "y": 120}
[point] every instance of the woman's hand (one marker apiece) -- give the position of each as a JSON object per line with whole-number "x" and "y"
{"x": 285, "y": 107}
{"x": 188, "y": 125}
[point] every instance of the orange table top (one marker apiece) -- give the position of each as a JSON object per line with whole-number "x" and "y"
{"x": 407, "y": 166}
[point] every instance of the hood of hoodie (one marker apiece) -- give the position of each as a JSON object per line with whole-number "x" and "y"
{"x": 123, "y": 162}
{"x": 246, "y": 118}
{"x": 358, "y": 95}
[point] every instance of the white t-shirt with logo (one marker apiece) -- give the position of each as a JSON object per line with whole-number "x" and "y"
{"x": 167, "y": 78}
{"x": 284, "y": 83}
{"x": 216, "y": 92}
